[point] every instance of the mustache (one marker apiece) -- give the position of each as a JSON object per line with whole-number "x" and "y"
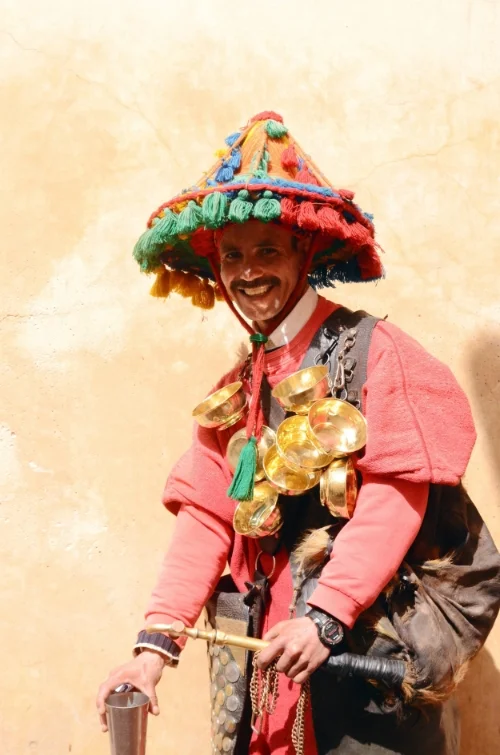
{"x": 250, "y": 285}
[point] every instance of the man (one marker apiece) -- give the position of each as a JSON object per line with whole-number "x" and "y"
{"x": 259, "y": 230}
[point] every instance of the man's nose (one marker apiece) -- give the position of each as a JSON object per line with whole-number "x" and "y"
{"x": 251, "y": 271}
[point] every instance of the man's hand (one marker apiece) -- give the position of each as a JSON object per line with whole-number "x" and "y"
{"x": 144, "y": 672}
{"x": 299, "y": 646}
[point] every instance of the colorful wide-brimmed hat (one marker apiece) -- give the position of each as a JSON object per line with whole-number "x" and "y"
{"x": 261, "y": 174}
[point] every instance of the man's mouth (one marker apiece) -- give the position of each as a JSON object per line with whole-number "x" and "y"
{"x": 258, "y": 291}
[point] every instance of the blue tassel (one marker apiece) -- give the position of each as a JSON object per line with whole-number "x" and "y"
{"x": 235, "y": 159}
{"x": 232, "y": 138}
{"x": 224, "y": 174}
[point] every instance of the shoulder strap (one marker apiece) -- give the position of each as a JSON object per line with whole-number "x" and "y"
{"x": 323, "y": 349}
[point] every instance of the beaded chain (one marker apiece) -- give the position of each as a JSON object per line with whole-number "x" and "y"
{"x": 264, "y": 696}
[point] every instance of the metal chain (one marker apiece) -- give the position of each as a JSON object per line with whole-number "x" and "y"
{"x": 264, "y": 696}
{"x": 298, "y": 729}
{"x": 343, "y": 373}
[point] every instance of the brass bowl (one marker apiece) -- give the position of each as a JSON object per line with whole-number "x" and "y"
{"x": 298, "y": 391}
{"x": 288, "y": 481}
{"x": 239, "y": 439}
{"x": 338, "y": 488}
{"x": 261, "y": 516}
{"x": 223, "y": 408}
{"x": 298, "y": 447}
{"x": 337, "y": 426}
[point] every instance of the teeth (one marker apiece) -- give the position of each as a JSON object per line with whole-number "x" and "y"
{"x": 257, "y": 291}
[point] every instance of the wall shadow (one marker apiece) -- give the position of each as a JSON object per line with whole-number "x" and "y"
{"x": 479, "y": 694}
{"x": 479, "y": 700}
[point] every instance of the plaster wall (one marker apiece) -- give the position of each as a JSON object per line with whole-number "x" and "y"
{"x": 108, "y": 108}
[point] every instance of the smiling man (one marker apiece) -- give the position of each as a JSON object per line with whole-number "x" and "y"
{"x": 262, "y": 231}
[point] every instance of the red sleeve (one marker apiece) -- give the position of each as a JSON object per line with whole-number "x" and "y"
{"x": 370, "y": 548}
{"x": 420, "y": 425}
{"x": 194, "y": 562}
{"x": 201, "y": 477}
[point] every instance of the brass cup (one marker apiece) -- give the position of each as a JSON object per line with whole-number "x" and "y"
{"x": 338, "y": 488}
{"x": 239, "y": 439}
{"x": 298, "y": 391}
{"x": 337, "y": 426}
{"x": 285, "y": 479}
{"x": 223, "y": 408}
{"x": 261, "y": 516}
{"x": 298, "y": 448}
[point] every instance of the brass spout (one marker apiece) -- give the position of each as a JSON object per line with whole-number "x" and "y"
{"x": 214, "y": 636}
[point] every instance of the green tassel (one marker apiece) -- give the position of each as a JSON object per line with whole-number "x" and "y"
{"x": 267, "y": 208}
{"x": 241, "y": 488}
{"x": 276, "y": 130}
{"x": 240, "y": 209}
{"x": 164, "y": 228}
{"x": 190, "y": 219}
{"x": 214, "y": 210}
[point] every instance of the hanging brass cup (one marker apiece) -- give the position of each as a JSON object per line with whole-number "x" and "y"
{"x": 338, "y": 488}
{"x": 261, "y": 516}
{"x": 298, "y": 391}
{"x": 239, "y": 439}
{"x": 285, "y": 479}
{"x": 298, "y": 448}
{"x": 337, "y": 426}
{"x": 223, "y": 408}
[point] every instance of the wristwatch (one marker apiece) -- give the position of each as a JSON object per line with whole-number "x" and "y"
{"x": 330, "y": 631}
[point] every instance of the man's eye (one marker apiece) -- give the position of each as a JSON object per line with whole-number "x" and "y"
{"x": 269, "y": 250}
{"x": 229, "y": 256}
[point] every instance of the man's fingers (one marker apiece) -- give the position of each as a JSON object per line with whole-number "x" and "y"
{"x": 293, "y": 653}
{"x": 274, "y": 631}
{"x": 302, "y": 676}
{"x": 104, "y": 722}
{"x": 268, "y": 655}
{"x": 301, "y": 664}
{"x": 153, "y": 700}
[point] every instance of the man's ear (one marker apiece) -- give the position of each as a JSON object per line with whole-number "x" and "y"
{"x": 304, "y": 244}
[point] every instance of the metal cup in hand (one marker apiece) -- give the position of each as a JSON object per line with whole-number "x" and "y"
{"x": 127, "y": 715}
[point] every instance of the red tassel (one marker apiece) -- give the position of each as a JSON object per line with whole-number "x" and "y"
{"x": 332, "y": 223}
{"x": 307, "y": 217}
{"x": 289, "y": 158}
{"x": 202, "y": 242}
{"x": 304, "y": 176}
{"x": 369, "y": 263}
{"x": 346, "y": 194}
{"x": 289, "y": 211}
{"x": 359, "y": 235}
{"x": 267, "y": 115}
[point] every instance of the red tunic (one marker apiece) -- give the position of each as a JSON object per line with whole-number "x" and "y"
{"x": 420, "y": 430}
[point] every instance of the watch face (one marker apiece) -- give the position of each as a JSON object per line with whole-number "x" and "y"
{"x": 332, "y": 632}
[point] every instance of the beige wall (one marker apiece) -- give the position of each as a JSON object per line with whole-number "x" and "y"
{"x": 107, "y": 109}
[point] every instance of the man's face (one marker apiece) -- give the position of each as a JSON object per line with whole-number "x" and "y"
{"x": 260, "y": 266}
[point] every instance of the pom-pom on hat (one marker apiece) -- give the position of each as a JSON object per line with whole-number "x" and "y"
{"x": 261, "y": 174}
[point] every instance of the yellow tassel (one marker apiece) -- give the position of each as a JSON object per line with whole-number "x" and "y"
{"x": 180, "y": 206}
{"x": 205, "y": 296}
{"x": 220, "y": 152}
{"x": 185, "y": 284}
{"x": 218, "y": 294}
{"x": 162, "y": 285}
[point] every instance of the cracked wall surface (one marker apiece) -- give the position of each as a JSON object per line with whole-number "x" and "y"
{"x": 108, "y": 109}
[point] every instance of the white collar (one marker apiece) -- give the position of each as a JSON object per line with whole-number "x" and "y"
{"x": 295, "y": 321}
